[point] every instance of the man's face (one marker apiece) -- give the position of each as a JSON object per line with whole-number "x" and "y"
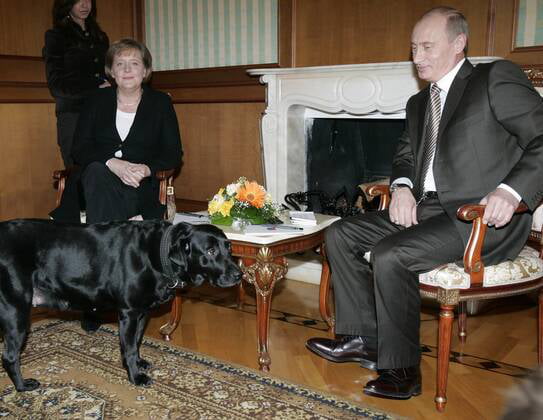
{"x": 433, "y": 53}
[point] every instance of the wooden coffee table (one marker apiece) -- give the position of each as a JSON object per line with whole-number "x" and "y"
{"x": 263, "y": 262}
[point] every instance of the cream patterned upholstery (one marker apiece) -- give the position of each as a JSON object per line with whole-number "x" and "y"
{"x": 526, "y": 267}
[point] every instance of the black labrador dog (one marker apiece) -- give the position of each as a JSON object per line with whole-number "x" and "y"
{"x": 130, "y": 267}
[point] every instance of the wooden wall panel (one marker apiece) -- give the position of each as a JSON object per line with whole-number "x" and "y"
{"x": 22, "y": 25}
{"x": 221, "y": 143}
{"x": 29, "y": 156}
{"x": 331, "y": 32}
{"x": 503, "y": 45}
{"x": 24, "y": 22}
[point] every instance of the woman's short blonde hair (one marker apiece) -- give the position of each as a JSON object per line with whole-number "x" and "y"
{"x": 127, "y": 44}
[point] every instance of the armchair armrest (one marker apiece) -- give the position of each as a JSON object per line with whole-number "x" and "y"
{"x": 381, "y": 191}
{"x": 166, "y": 194}
{"x": 60, "y": 177}
{"x": 473, "y": 265}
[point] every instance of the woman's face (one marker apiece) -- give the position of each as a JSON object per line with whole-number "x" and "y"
{"x": 81, "y": 10}
{"x": 128, "y": 69}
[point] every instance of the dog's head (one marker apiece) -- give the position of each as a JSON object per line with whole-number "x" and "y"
{"x": 202, "y": 252}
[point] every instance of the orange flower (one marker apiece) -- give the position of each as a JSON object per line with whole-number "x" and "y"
{"x": 252, "y": 193}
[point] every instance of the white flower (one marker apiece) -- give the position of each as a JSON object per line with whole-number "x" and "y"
{"x": 231, "y": 189}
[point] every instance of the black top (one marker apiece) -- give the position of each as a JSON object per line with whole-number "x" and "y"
{"x": 74, "y": 64}
{"x": 153, "y": 139}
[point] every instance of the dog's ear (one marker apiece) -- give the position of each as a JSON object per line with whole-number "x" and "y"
{"x": 180, "y": 244}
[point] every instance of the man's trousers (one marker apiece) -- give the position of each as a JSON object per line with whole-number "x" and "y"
{"x": 381, "y": 299}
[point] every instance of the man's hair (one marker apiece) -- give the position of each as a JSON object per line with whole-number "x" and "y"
{"x": 456, "y": 22}
{"x": 127, "y": 44}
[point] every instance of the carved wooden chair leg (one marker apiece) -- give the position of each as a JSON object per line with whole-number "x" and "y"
{"x": 463, "y": 321}
{"x": 175, "y": 316}
{"x": 324, "y": 292}
{"x": 446, "y": 317}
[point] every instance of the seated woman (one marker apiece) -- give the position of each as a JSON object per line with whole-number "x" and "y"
{"x": 125, "y": 134}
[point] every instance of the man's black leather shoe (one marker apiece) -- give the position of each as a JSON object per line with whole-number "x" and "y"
{"x": 398, "y": 384}
{"x": 348, "y": 348}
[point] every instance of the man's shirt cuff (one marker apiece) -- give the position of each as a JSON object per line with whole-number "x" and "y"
{"x": 511, "y": 190}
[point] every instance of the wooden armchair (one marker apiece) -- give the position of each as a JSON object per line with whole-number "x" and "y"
{"x": 452, "y": 286}
{"x": 166, "y": 197}
{"x": 166, "y": 189}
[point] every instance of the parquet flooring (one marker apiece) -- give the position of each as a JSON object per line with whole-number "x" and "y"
{"x": 501, "y": 348}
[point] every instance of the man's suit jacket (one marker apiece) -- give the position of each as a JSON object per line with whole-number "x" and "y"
{"x": 153, "y": 140}
{"x": 491, "y": 132}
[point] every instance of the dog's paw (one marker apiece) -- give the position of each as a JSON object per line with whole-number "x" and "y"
{"x": 90, "y": 323}
{"x": 141, "y": 379}
{"x": 28, "y": 385}
{"x": 143, "y": 364}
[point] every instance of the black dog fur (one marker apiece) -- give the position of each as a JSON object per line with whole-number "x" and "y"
{"x": 107, "y": 266}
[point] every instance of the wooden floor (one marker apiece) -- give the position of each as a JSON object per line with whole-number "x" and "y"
{"x": 501, "y": 347}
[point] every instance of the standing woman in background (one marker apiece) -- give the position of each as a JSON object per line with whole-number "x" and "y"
{"x": 74, "y": 55}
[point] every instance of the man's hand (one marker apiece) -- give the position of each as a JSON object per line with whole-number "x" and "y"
{"x": 403, "y": 208}
{"x": 129, "y": 173}
{"x": 500, "y": 206}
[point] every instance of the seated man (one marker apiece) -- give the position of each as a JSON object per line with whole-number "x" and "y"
{"x": 475, "y": 134}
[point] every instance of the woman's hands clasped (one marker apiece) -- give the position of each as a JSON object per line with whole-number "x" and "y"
{"x": 129, "y": 173}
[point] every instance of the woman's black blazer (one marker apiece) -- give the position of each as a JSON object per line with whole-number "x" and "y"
{"x": 153, "y": 140}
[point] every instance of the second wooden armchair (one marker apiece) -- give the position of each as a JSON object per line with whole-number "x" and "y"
{"x": 452, "y": 285}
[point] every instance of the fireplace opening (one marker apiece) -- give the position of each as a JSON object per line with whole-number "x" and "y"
{"x": 344, "y": 153}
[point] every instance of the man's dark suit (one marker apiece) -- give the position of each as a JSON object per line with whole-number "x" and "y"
{"x": 491, "y": 132}
{"x": 153, "y": 140}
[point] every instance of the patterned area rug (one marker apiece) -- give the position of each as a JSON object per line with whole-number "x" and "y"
{"x": 81, "y": 377}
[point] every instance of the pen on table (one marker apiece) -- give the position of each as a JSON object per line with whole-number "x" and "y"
{"x": 187, "y": 213}
{"x": 285, "y": 227}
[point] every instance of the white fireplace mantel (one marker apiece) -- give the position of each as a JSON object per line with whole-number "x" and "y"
{"x": 355, "y": 91}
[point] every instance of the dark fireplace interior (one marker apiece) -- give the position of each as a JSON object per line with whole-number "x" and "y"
{"x": 344, "y": 153}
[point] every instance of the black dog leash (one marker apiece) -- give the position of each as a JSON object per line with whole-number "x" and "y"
{"x": 165, "y": 261}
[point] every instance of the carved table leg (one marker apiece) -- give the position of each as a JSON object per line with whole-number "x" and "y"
{"x": 263, "y": 274}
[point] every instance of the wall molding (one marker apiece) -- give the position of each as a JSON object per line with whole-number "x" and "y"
{"x": 218, "y": 84}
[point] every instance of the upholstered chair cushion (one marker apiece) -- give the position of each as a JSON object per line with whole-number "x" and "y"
{"x": 526, "y": 267}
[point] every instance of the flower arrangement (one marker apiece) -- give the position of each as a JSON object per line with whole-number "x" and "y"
{"x": 244, "y": 200}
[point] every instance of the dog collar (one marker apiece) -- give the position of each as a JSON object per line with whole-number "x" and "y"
{"x": 164, "y": 260}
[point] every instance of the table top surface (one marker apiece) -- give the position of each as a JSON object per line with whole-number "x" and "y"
{"x": 323, "y": 221}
